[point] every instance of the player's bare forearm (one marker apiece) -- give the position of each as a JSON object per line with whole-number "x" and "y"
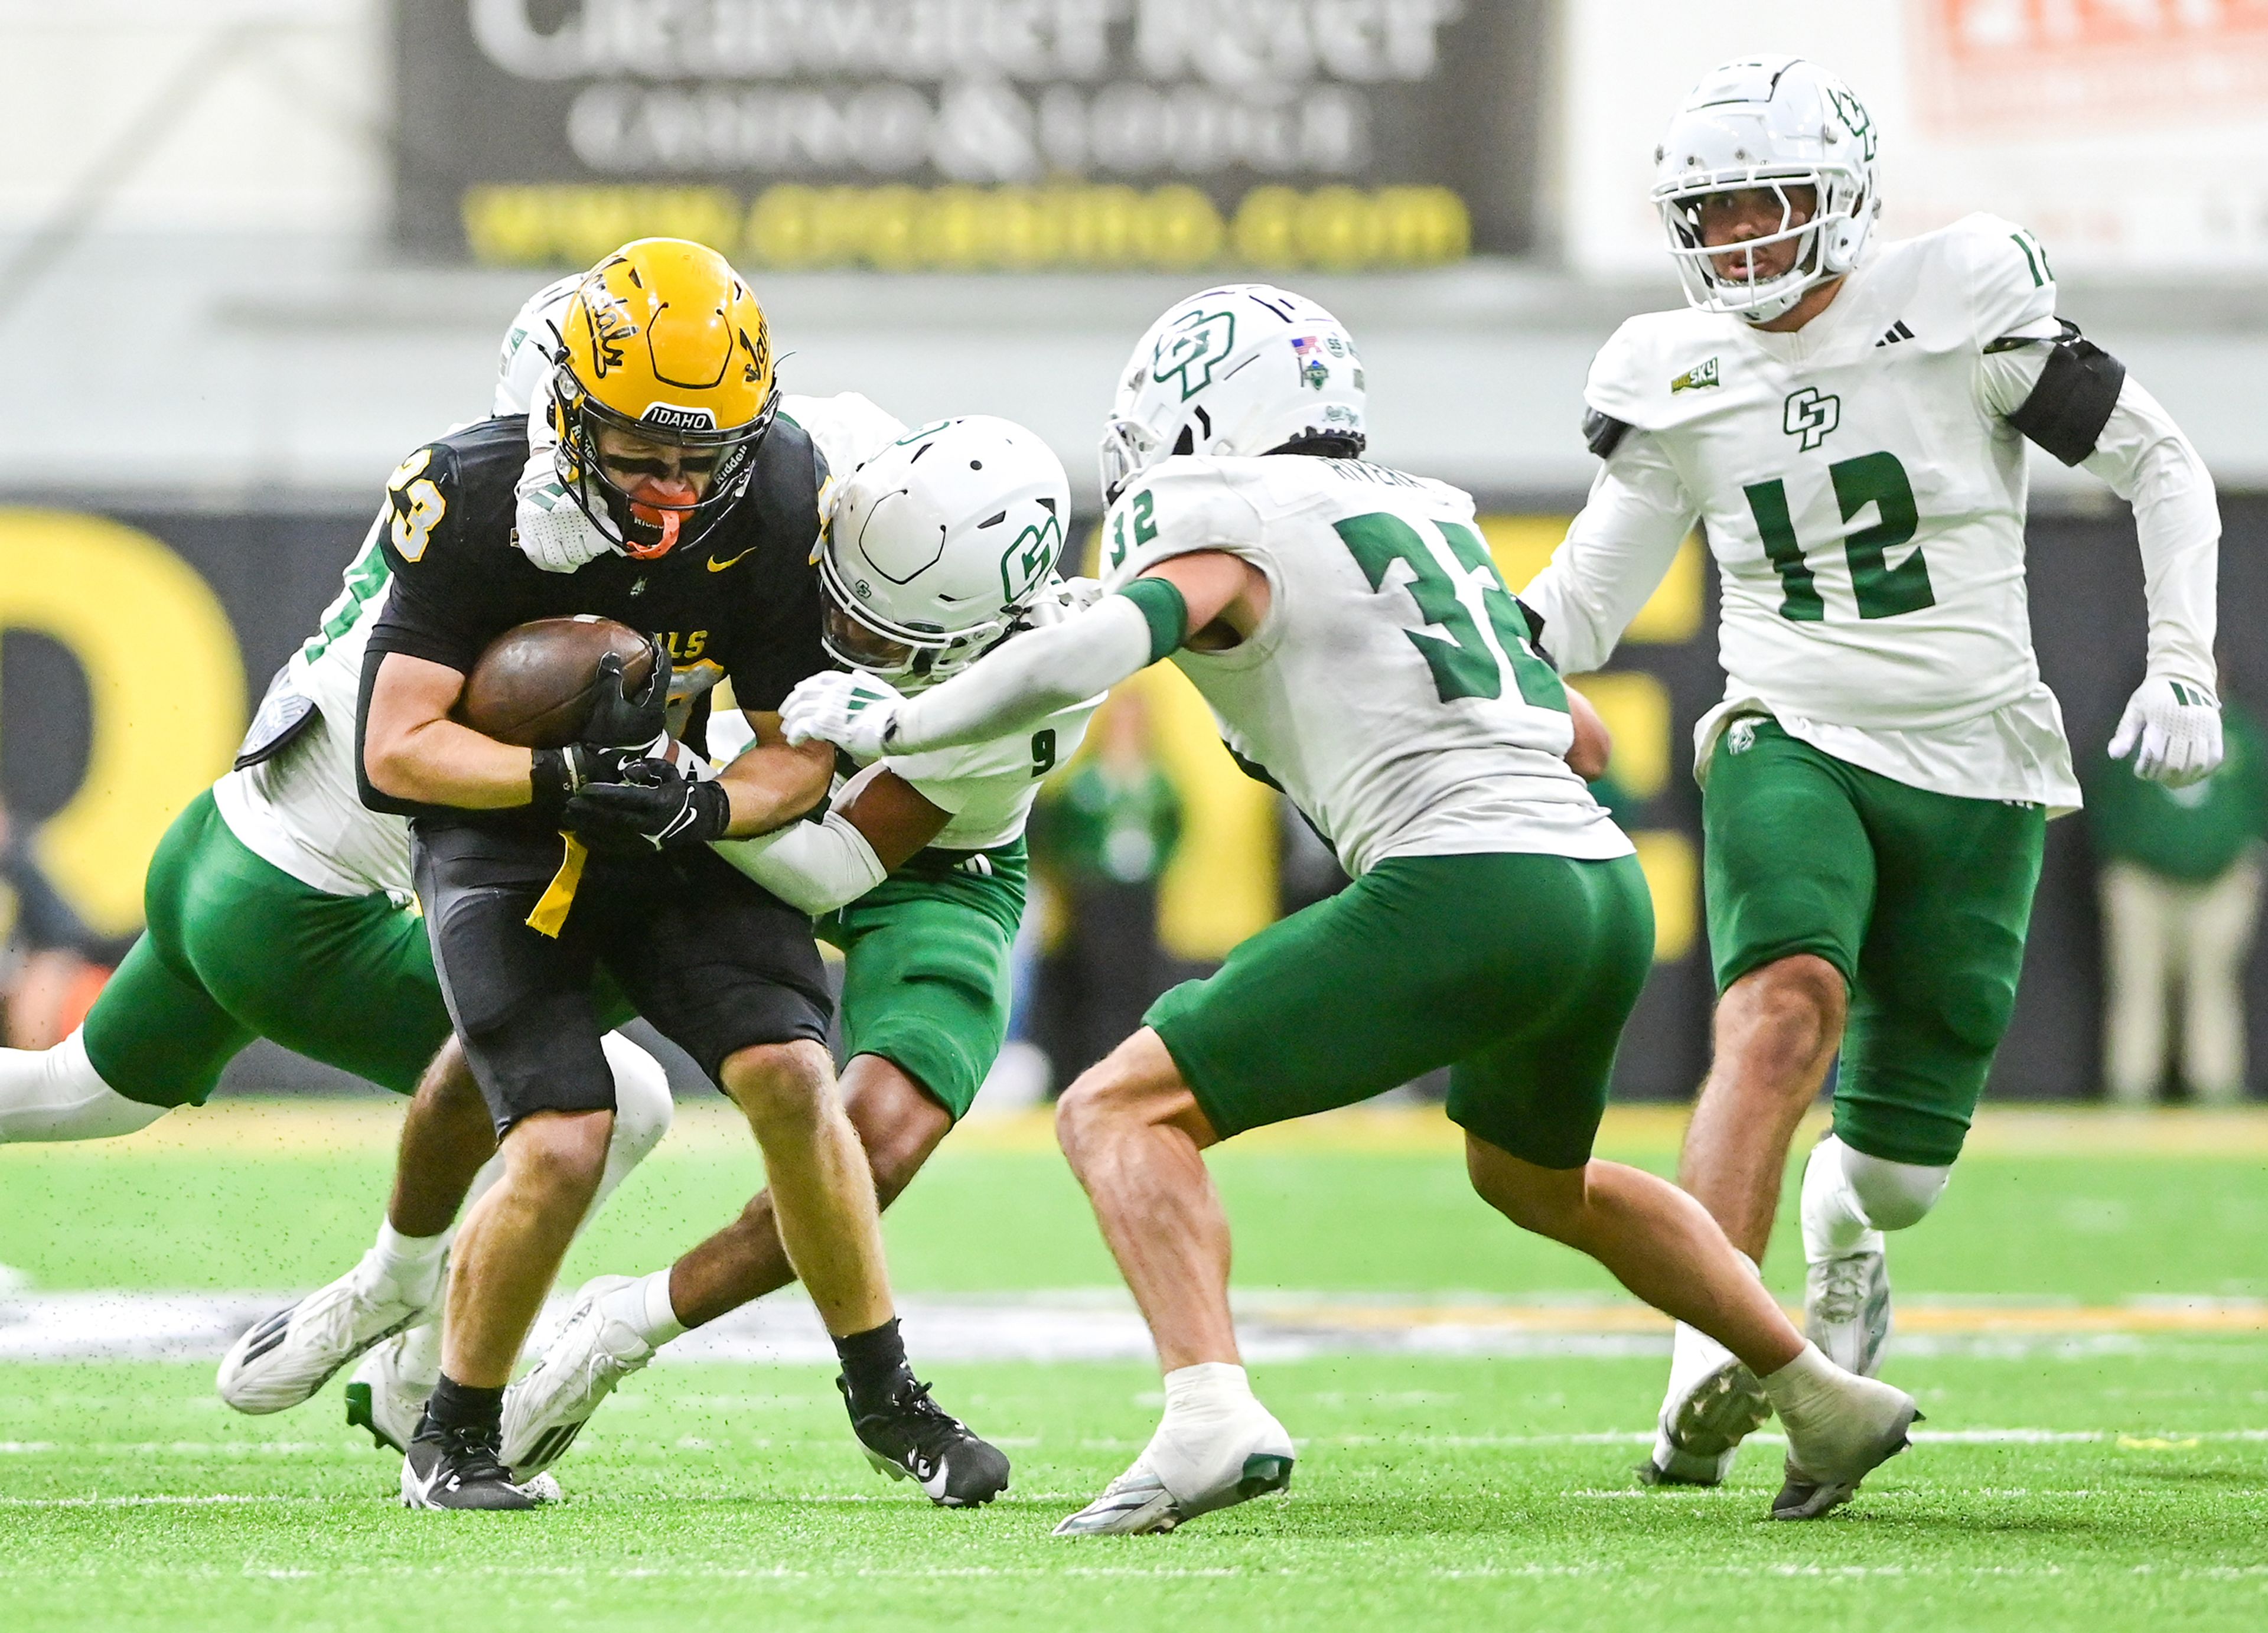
{"x": 412, "y": 750}
{"x": 777, "y": 781}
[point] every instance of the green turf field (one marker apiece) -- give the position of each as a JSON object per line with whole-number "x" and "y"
{"x": 2101, "y": 1462}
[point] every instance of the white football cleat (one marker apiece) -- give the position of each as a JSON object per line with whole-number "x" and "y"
{"x": 386, "y": 1393}
{"x": 544, "y": 1411}
{"x": 1846, "y": 1308}
{"x": 1172, "y": 1482}
{"x": 1835, "y": 1440}
{"x": 1715, "y": 1403}
{"x": 279, "y": 1362}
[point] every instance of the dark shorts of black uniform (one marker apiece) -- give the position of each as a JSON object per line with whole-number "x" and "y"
{"x": 716, "y": 963}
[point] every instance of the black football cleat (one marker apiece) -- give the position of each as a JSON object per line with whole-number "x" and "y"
{"x": 915, "y": 1438}
{"x": 459, "y": 1469}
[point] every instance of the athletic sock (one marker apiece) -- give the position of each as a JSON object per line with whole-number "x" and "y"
{"x": 1208, "y": 1388}
{"x": 57, "y": 1094}
{"x": 453, "y": 1405}
{"x": 412, "y": 1263}
{"x": 873, "y": 1364}
{"x": 1212, "y": 1423}
{"x": 644, "y": 1307}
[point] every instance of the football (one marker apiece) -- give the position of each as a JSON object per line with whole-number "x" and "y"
{"x": 534, "y": 685}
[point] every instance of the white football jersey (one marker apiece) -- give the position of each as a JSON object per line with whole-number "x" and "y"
{"x": 302, "y": 809}
{"x": 1392, "y": 691}
{"x": 1864, "y": 498}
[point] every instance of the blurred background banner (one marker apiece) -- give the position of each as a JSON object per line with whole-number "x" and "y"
{"x": 963, "y": 134}
{"x": 2130, "y": 135}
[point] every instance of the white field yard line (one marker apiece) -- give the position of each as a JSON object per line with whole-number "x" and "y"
{"x": 1103, "y": 1325}
{"x": 305, "y": 1127}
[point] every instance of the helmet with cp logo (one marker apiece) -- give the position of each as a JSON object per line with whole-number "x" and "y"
{"x": 1773, "y": 124}
{"x": 663, "y": 390}
{"x": 937, "y": 545}
{"x": 1244, "y": 369}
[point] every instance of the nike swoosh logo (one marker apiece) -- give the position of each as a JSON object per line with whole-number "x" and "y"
{"x": 716, "y": 566}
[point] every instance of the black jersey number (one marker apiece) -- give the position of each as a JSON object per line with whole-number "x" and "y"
{"x": 1466, "y": 664}
{"x": 1880, "y": 590}
{"x": 1043, "y": 751}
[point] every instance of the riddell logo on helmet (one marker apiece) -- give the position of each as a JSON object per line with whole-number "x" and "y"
{"x": 668, "y": 416}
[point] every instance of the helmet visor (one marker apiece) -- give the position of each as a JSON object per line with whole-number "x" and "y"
{"x": 849, "y": 641}
{"x": 652, "y": 483}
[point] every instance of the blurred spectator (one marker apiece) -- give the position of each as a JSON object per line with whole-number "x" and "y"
{"x": 2181, "y": 893}
{"x": 48, "y": 978}
{"x": 1105, "y": 835}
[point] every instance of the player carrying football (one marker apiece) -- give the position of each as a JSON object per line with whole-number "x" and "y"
{"x": 663, "y": 408}
{"x": 1848, "y": 417}
{"x": 1355, "y": 641}
{"x": 939, "y": 548}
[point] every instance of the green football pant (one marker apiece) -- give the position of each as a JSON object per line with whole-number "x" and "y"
{"x": 1514, "y": 971}
{"x": 925, "y": 972}
{"x": 237, "y": 949}
{"x": 1920, "y": 900}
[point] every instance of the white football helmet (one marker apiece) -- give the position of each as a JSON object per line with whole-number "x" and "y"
{"x": 1240, "y": 370}
{"x": 937, "y": 545}
{"x": 1776, "y": 122}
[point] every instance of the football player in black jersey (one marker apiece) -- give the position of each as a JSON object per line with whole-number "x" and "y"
{"x": 538, "y": 868}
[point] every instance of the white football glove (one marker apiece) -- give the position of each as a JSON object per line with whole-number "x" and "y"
{"x": 549, "y": 527}
{"x": 2172, "y": 728}
{"x": 853, "y": 711}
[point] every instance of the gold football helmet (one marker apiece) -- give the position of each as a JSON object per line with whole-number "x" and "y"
{"x": 663, "y": 389}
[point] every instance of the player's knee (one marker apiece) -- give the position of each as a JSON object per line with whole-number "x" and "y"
{"x": 781, "y": 1088}
{"x": 1549, "y": 1201}
{"x": 558, "y": 1155}
{"x": 899, "y": 1126}
{"x": 1792, "y": 1008}
{"x": 1894, "y": 1195}
{"x": 644, "y": 1109}
{"x": 1135, "y": 1086}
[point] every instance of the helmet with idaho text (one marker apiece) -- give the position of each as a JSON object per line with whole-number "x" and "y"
{"x": 1774, "y": 123}
{"x": 664, "y": 348}
{"x": 1244, "y": 369}
{"x": 937, "y": 545}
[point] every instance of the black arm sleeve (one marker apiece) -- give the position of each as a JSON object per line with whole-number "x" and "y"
{"x": 1602, "y": 433}
{"x": 2074, "y": 399}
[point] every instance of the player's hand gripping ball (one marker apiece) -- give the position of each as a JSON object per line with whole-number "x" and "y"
{"x": 654, "y": 806}
{"x": 2172, "y": 728}
{"x": 853, "y": 711}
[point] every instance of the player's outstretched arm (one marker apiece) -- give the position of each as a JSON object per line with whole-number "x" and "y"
{"x": 1614, "y": 557}
{"x": 1041, "y": 672}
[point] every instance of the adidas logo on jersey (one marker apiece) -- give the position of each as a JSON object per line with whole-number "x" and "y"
{"x": 1896, "y": 332}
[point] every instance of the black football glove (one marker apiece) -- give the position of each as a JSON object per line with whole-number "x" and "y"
{"x": 558, "y": 773}
{"x": 620, "y": 719}
{"x": 653, "y": 806}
